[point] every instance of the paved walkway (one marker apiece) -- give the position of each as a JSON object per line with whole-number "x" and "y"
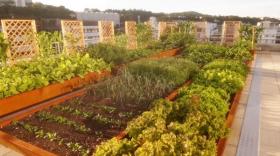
{"x": 256, "y": 128}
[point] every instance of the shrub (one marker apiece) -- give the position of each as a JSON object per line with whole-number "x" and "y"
{"x": 233, "y": 65}
{"x": 129, "y": 90}
{"x": 240, "y": 51}
{"x": 46, "y": 40}
{"x": 173, "y": 71}
{"x": 204, "y": 53}
{"x": 109, "y": 53}
{"x": 3, "y": 49}
{"x": 145, "y": 80}
{"x": 42, "y": 71}
{"x": 228, "y": 80}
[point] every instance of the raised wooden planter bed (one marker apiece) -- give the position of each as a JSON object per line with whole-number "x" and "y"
{"x": 18, "y": 107}
{"x": 167, "y": 53}
{"x": 26, "y": 99}
{"x": 230, "y": 116}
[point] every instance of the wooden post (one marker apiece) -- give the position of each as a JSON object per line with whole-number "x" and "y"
{"x": 253, "y": 37}
{"x": 130, "y": 31}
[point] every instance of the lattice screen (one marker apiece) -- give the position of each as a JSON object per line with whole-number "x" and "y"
{"x": 73, "y": 35}
{"x": 200, "y": 30}
{"x": 106, "y": 31}
{"x": 230, "y": 31}
{"x": 21, "y": 35}
{"x": 164, "y": 27}
{"x": 130, "y": 31}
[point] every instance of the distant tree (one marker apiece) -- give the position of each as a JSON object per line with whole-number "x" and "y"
{"x": 91, "y": 10}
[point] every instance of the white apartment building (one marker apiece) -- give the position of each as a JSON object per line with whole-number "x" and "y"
{"x": 99, "y": 16}
{"x": 271, "y": 32}
{"x": 91, "y": 35}
{"x": 17, "y": 3}
{"x": 90, "y": 20}
{"x": 154, "y": 24}
{"x": 205, "y": 30}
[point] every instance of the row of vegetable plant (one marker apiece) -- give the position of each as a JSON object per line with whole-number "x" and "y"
{"x": 92, "y": 119}
{"x": 42, "y": 71}
{"x": 192, "y": 124}
{"x": 158, "y": 76}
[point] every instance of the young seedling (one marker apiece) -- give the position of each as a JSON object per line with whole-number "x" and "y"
{"x": 53, "y": 137}
{"x": 47, "y": 116}
{"x": 105, "y": 121}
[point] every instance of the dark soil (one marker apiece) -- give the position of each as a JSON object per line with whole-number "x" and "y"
{"x": 98, "y": 132}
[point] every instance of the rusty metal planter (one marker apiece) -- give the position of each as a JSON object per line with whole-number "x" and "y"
{"x": 231, "y": 115}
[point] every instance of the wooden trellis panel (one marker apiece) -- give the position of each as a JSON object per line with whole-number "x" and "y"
{"x": 106, "y": 31}
{"x": 73, "y": 35}
{"x": 130, "y": 31}
{"x": 200, "y": 30}
{"x": 163, "y": 27}
{"x": 230, "y": 32}
{"x": 21, "y": 35}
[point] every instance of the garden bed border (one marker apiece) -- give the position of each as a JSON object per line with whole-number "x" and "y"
{"x": 26, "y": 99}
{"x": 233, "y": 109}
{"x": 32, "y": 150}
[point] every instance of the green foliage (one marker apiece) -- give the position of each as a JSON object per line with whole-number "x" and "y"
{"x": 208, "y": 99}
{"x": 172, "y": 71}
{"x": 105, "y": 108}
{"x": 204, "y": 53}
{"x": 180, "y": 37}
{"x": 246, "y": 32}
{"x": 46, "y": 41}
{"x": 42, "y": 71}
{"x": 125, "y": 114}
{"x": 115, "y": 147}
{"x": 3, "y": 49}
{"x": 73, "y": 111}
{"x": 108, "y": 52}
{"x": 229, "y": 80}
{"x": 115, "y": 54}
{"x": 144, "y": 35}
{"x": 47, "y": 116}
{"x": 240, "y": 51}
{"x": 160, "y": 76}
{"x": 192, "y": 124}
{"x": 177, "y": 40}
{"x": 121, "y": 40}
{"x": 233, "y": 65}
{"x": 106, "y": 121}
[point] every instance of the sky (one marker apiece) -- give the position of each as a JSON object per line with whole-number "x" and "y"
{"x": 252, "y": 8}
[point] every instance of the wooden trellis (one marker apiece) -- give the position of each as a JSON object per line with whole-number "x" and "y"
{"x": 106, "y": 31}
{"x": 21, "y": 36}
{"x": 164, "y": 27}
{"x": 200, "y": 31}
{"x": 130, "y": 31}
{"x": 73, "y": 35}
{"x": 230, "y": 32}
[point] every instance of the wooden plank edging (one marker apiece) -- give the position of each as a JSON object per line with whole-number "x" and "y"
{"x": 21, "y": 146}
{"x": 20, "y": 101}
